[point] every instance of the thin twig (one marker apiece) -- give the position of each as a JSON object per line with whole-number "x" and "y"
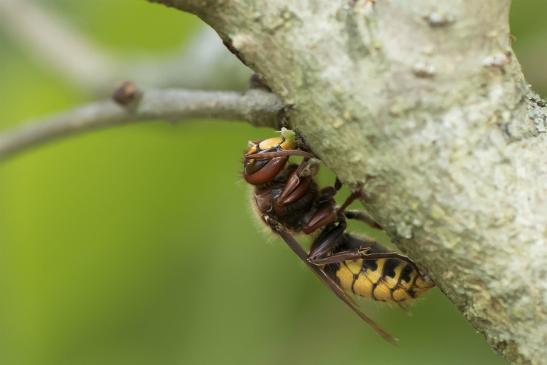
{"x": 55, "y": 43}
{"x": 258, "y": 107}
{"x": 203, "y": 62}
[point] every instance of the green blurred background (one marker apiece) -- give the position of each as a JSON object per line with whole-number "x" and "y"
{"x": 137, "y": 245}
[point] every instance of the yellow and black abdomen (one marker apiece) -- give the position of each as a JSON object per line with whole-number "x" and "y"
{"x": 383, "y": 279}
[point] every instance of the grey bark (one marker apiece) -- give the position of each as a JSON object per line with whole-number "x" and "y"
{"x": 259, "y": 107}
{"x": 425, "y": 102}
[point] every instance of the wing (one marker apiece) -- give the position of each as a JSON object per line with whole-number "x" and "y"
{"x": 326, "y": 279}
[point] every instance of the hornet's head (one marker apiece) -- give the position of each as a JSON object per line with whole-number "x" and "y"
{"x": 256, "y": 170}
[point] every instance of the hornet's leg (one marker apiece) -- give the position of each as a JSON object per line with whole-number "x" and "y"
{"x": 337, "y": 184}
{"x": 326, "y": 242}
{"x": 299, "y": 181}
{"x": 357, "y": 214}
{"x": 363, "y": 217}
{"x": 350, "y": 199}
{"x": 326, "y": 213}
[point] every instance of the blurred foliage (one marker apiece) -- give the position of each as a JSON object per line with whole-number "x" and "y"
{"x": 137, "y": 245}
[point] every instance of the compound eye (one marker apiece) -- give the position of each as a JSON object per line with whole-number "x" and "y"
{"x": 263, "y": 171}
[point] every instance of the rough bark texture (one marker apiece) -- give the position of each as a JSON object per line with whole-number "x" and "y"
{"x": 425, "y": 102}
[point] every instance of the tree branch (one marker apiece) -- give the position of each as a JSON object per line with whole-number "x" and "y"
{"x": 258, "y": 107}
{"x": 55, "y": 43}
{"x": 203, "y": 63}
{"x": 425, "y": 101}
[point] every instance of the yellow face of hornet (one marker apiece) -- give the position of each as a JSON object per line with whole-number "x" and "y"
{"x": 258, "y": 171}
{"x": 286, "y": 141}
